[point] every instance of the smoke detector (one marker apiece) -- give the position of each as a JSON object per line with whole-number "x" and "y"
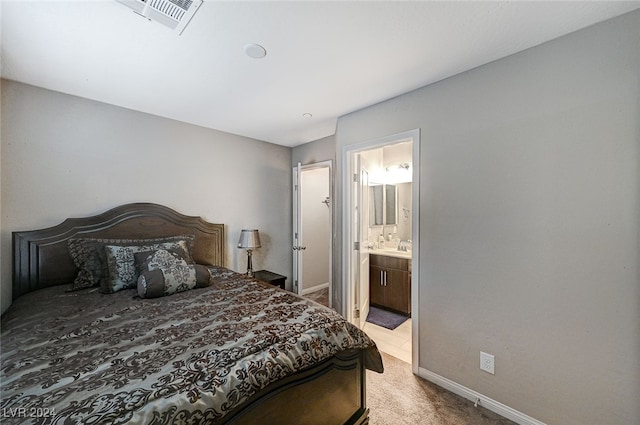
{"x": 174, "y": 14}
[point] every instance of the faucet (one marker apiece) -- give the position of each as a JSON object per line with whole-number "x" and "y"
{"x": 404, "y": 246}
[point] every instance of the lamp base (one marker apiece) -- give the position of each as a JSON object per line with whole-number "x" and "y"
{"x": 249, "y": 266}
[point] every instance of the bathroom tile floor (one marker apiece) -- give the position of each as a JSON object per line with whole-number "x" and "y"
{"x": 395, "y": 342}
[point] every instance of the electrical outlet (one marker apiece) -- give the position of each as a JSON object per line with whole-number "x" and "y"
{"x": 487, "y": 362}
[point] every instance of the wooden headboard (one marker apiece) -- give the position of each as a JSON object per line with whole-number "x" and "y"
{"x": 41, "y": 257}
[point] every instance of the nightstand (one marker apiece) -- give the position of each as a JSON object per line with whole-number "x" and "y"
{"x": 270, "y": 277}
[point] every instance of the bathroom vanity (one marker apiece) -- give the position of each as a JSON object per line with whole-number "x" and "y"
{"x": 390, "y": 281}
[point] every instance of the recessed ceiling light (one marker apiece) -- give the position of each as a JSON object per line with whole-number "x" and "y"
{"x": 255, "y": 51}
{"x": 307, "y": 115}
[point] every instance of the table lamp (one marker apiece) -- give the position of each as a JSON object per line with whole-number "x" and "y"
{"x": 249, "y": 240}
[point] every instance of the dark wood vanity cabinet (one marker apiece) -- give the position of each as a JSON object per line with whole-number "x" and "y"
{"x": 390, "y": 283}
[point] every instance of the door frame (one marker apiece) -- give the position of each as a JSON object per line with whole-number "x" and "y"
{"x": 348, "y": 291}
{"x": 297, "y": 224}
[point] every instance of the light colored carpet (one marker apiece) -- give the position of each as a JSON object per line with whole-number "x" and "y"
{"x": 398, "y": 397}
{"x": 321, "y": 296}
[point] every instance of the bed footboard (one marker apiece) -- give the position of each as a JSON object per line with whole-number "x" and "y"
{"x": 332, "y": 392}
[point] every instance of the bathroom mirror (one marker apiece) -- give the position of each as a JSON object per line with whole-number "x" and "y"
{"x": 383, "y": 204}
{"x": 390, "y": 203}
{"x": 375, "y": 205}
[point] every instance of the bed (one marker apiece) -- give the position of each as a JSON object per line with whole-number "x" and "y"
{"x": 233, "y": 350}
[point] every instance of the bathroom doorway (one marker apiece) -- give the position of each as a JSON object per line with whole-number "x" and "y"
{"x": 380, "y": 226}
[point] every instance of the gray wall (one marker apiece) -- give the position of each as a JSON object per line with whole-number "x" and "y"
{"x": 312, "y": 152}
{"x": 64, "y": 156}
{"x": 3, "y": 304}
{"x": 529, "y": 212}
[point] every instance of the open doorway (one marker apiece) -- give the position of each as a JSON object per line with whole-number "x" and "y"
{"x": 380, "y": 241}
{"x": 312, "y": 231}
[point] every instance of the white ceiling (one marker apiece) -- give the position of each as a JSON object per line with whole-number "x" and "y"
{"x": 324, "y": 58}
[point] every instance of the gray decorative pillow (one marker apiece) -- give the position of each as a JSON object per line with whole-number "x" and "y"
{"x": 203, "y": 276}
{"x": 140, "y": 258}
{"x": 121, "y": 263}
{"x": 203, "y": 273}
{"x": 166, "y": 274}
{"x": 89, "y": 256}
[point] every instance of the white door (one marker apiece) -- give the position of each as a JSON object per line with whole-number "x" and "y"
{"x": 361, "y": 240}
{"x": 297, "y": 230}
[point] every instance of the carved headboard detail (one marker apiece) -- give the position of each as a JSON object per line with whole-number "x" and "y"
{"x": 41, "y": 257}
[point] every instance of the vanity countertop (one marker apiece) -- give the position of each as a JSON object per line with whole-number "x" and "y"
{"x": 391, "y": 252}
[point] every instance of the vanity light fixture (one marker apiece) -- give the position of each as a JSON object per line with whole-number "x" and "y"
{"x": 404, "y": 166}
{"x": 400, "y": 173}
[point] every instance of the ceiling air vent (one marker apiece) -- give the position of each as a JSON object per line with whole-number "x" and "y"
{"x": 174, "y": 14}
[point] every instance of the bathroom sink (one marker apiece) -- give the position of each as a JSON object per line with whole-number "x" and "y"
{"x": 391, "y": 252}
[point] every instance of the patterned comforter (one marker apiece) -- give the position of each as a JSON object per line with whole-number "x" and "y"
{"x": 86, "y": 357}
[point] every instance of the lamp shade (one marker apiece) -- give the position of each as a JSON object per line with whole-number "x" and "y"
{"x": 249, "y": 239}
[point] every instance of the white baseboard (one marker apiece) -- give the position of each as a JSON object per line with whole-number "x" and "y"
{"x": 315, "y": 288}
{"x": 486, "y": 402}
